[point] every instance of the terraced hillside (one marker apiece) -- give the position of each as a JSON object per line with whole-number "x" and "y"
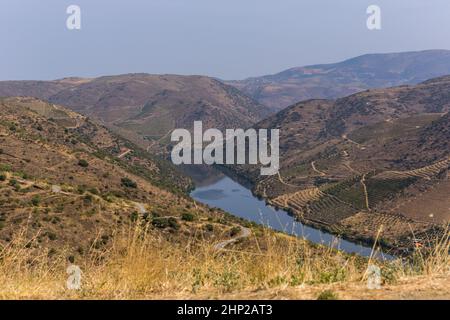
{"x": 380, "y": 156}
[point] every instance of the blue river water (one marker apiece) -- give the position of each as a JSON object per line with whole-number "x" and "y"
{"x": 234, "y": 198}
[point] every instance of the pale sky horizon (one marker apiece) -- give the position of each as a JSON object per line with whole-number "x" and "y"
{"x": 227, "y": 39}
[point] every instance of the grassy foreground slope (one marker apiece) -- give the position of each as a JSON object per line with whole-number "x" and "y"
{"x": 141, "y": 264}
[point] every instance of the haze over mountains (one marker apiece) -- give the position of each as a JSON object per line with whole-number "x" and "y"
{"x": 146, "y": 108}
{"x": 330, "y": 81}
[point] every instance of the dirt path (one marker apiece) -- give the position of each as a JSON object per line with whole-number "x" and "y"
{"x": 245, "y": 233}
{"x": 280, "y": 178}
{"x": 78, "y": 123}
{"x": 366, "y": 194}
{"x": 354, "y": 142}
{"x": 123, "y": 154}
{"x": 321, "y": 173}
{"x": 159, "y": 140}
{"x": 283, "y": 182}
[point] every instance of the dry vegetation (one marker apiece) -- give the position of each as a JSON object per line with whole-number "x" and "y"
{"x": 140, "y": 264}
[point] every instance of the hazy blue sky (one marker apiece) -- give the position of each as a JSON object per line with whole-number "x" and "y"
{"x": 230, "y": 39}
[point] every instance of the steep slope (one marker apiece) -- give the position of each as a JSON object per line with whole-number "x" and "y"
{"x": 67, "y": 184}
{"x": 142, "y": 106}
{"x": 330, "y": 81}
{"x": 376, "y": 158}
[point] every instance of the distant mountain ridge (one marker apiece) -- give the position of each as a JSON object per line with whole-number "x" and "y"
{"x": 144, "y": 106}
{"x": 330, "y": 81}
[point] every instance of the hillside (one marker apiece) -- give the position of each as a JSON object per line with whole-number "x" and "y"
{"x": 67, "y": 184}
{"x": 330, "y": 81}
{"x": 376, "y": 159}
{"x": 146, "y": 108}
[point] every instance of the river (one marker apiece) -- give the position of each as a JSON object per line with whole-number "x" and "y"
{"x": 229, "y": 195}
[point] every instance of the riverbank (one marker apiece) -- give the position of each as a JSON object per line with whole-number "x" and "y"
{"x": 393, "y": 243}
{"x": 238, "y": 200}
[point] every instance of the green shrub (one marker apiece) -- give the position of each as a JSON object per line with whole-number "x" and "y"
{"x": 187, "y": 216}
{"x": 134, "y": 216}
{"x": 235, "y": 231}
{"x": 173, "y": 223}
{"x": 5, "y": 167}
{"x": 52, "y": 236}
{"x": 15, "y": 184}
{"x": 36, "y": 200}
{"x": 2, "y": 177}
{"x": 88, "y": 199}
{"x": 93, "y": 191}
{"x": 128, "y": 183}
{"x": 83, "y": 163}
{"x": 161, "y": 223}
{"x": 327, "y": 295}
{"x": 81, "y": 189}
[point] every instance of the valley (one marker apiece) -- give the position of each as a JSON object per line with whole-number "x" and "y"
{"x": 84, "y": 176}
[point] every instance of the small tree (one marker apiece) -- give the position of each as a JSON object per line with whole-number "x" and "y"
{"x": 83, "y": 163}
{"x": 127, "y": 182}
{"x": 187, "y": 216}
{"x": 173, "y": 223}
{"x": 36, "y": 200}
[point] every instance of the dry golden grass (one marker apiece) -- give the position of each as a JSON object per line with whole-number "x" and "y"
{"x": 140, "y": 264}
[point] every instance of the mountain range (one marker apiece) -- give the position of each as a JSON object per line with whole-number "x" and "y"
{"x": 330, "y": 81}
{"x": 146, "y": 108}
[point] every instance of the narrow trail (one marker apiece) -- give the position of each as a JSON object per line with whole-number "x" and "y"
{"x": 366, "y": 193}
{"x": 321, "y": 173}
{"x": 78, "y": 123}
{"x": 160, "y": 139}
{"x": 285, "y": 183}
{"x": 123, "y": 154}
{"x": 245, "y": 233}
{"x": 354, "y": 142}
{"x": 347, "y": 164}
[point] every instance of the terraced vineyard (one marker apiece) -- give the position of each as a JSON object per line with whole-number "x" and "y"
{"x": 299, "y": 199}
{"x": 352, "y": 204}
{"x": 315, "y": 205}
{"x": 425, "y": 173}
